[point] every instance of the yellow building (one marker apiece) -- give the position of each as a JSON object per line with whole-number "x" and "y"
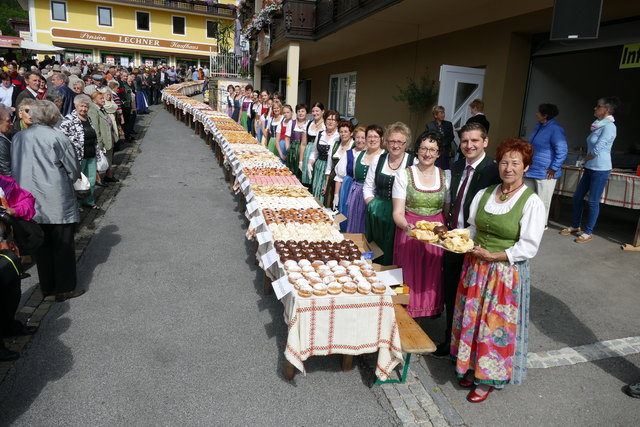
{"x": 126, "y": 32}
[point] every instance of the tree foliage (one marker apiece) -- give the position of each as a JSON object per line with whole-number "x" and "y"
{"x": 10, "y": 9}
{"x": 419, "y": 95}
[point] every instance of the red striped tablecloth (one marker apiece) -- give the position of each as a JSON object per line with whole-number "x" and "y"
{"x": 622, "y": 189}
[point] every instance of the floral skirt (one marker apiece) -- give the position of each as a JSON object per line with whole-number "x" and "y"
{"x": 491, "y": 321}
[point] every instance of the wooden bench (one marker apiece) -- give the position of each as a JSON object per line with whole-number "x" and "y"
{"x": 413, "y": 340}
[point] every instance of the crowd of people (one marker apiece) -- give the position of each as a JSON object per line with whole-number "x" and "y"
{"x": 59, "y": 125}
{"x": 384, "y": 182}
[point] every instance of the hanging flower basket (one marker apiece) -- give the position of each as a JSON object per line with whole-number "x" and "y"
{"x": 270, "y": 10}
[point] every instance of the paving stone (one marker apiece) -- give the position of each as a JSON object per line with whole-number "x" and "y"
{"x": 420, "y": 415}
{"x": 397, "y": 403}
{"x": 417, "y": 389}
{"x": 405, "y": 415}
{"x": 390, "y": 390}
{"x": 403, "y": 389}
{"x": 412, "y": 403}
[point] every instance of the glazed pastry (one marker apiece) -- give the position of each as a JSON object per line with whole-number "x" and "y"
{"x": 293, "y": 277}
{"x": 300, "y": 283}
{"x": 305, "y": 291}
{"x": 349, "y": 288}
{"x": 364, "y": 288}
{"x": 378, "y": 288}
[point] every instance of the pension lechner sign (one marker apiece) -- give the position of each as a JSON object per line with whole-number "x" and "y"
{"x": 130, "y": 40}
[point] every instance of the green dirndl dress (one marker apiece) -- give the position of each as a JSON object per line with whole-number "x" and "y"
{"x": 311, "y": 140}
{"x": 273, "y": 138}
{"x": 379, "y": 225}
{"x": 319, "y": 172}
{"x": 293, "y": 153}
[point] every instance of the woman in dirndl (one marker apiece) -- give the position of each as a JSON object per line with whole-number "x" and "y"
{"x": 421, "y": 193}
{"x": 284, "y": 136}
{"x": 308, "y": 142}
{"x": 345, "y": 172}
{"x": 379, "y": 225}
{"x": 297, "y": 131}
{"x": 245, "y": 106}
{"x": 273, "y": 127}
{"x": 339, "y": 150}
{"x": 319, "y": 157}
{"x": 355, "y": 200}
{"x": 491, "y": 316}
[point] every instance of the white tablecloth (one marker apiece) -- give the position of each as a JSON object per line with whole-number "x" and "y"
{"x": 342, "y": 324}
{"x": 622, "y": 190}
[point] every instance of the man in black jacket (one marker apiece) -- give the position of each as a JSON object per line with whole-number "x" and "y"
{"x": 469, "y": 174}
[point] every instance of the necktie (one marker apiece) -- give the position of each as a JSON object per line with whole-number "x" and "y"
{"x": 458, "y": 205}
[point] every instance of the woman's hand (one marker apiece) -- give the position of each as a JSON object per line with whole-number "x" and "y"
{"x": 9, "y": 211}
{"x": 485, "y": 255}
{"x": 366, "y": 201}
{"x": 408, "y": 227}
{"x": 588, "y": 157}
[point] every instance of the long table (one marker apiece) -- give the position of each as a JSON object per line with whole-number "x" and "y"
{"x": 343, "y": 324}
{"x": 622, "y": 190}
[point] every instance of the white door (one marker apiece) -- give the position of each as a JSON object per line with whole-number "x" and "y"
{"x": 458, "y": 87}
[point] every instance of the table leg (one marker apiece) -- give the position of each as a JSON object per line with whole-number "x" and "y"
{"x": 347, "y": 362}
{"x": 635, "y": 246}
{"x": 289, "y": 370}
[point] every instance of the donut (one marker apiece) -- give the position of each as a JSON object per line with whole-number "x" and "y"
{"x": 344, "y": 279}
{"x": 349, "y": 288}
{"x": 344, "y": 264}
{"x": 329, "y": 279}
{"x": 305, "y": 291}
{"x": 314, "y": 280}
{"x": 366, "y": 273}
{"x": 364, "y": 288}
{"x": 340, "y": 273}
{"x": 293, "y": 277}
{"x": 317, "y": 263}
{"x": 334, "y": 288}
{"x": 300, "y": 283}
{"x": 378, "y": 288}
{"x": 320, "y": 289}
{"x": 294, "y": 268}
{"x": 289, "y": 264}
{"x": 333, "y": 263}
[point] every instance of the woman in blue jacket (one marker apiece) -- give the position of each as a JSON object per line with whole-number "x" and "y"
{"x": 597, "y": 168}
{"x": 550, "y": 151}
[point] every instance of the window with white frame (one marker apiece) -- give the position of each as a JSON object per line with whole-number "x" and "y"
{"x": 59, "y": 11}
{"x": 105, "y": 16}
{"x": 342, "y": 93}
{"x": 179, "y": 25}
{"x": 143, "y": 20}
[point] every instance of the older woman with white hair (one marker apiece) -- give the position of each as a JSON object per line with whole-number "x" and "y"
{"x": 78, "y": 128}
{"x": 44, "y": 163}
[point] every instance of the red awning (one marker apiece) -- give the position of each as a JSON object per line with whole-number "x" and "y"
{"x": 11, "y": 42}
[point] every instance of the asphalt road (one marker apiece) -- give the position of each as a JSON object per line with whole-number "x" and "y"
{"x": 174, "y": 329}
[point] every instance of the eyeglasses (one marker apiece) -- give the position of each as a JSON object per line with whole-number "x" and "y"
{"x": 396, "y": 142}
{"x": 422, "y": 150}
{"x": 26, "y": 110}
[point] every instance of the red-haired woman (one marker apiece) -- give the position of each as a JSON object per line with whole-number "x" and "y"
{"x": 491, "y": 317}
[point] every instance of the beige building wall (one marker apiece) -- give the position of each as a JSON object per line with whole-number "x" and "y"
{"x": 495, "y": 47}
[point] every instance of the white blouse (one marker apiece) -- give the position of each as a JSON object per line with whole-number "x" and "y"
{"x": 325, "y": 139}
{"x": 341, "y": 166}
{"x": 531, "y": 224}
{"x": 402, "y": 180}
{"x": 339, "y": 153}
{"x": 369, "y": 189}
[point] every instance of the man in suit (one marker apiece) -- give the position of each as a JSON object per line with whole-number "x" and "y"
{"x": 33, "y": 84}
{"x": 469, "y": 174}
{"x": 59, "y": 83}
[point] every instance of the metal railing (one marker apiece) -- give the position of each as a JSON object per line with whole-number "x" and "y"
{"x": 231, "y": 65}
{"x": 200, "y": 6}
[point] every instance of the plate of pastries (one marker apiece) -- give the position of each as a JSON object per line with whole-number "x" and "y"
{"x": 437, "y": 234}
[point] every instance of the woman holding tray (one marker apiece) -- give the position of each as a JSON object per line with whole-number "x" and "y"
{"x": 379, "y": 225}
{"x": 491, "y": 316}
{"x": 345, "y": 173}
{"x": 421, "y": 193}
{"x": 355, "y": 201}
{"x": 308, "y": 141}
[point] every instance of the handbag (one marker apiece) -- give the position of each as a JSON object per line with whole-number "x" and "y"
{"x": 82, "y": 186}
{"x": 27, "y": 234}
{"x": 102, "y": 164}
{"x": 10, "y": 266}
